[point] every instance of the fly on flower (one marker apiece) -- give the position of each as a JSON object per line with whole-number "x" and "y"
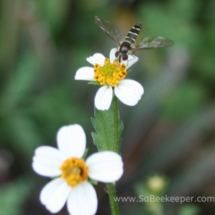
{"x": 71, "y": 172}
{"x": 127, "y": 46}
{"x": 111, "y": 74}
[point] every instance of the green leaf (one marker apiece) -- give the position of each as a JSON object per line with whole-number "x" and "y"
{"x": 94, "y": 182}
{"x": 94, "y": 82}
{"x": 85, "y": 154}
{"x": 106, "y": 137}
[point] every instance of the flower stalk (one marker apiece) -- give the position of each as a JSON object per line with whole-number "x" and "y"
{"x": 116, "y": 125}
{"x": 112, "y": 198}
{"x": 112, "y": 187}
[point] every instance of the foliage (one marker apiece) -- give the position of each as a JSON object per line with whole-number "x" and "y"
{"x": 104, "y": 138}
{"x": 170, "y": 132}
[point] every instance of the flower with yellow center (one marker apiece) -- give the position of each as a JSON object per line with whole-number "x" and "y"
{"x": 72, "y": 172}
{"x": 111, "y": 74}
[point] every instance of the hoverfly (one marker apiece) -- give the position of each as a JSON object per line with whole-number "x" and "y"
{"x": 127, "y": 46}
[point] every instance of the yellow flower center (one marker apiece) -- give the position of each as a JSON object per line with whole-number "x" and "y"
{"x": 75, "y": 171}
{"x": 110, "y": 74}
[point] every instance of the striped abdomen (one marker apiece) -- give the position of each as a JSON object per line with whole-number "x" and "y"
{"x": 133, "y": 33}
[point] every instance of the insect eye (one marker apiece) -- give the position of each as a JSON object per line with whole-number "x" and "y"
{"x": 125, "y": 57}
{"x": 117, "y": 54}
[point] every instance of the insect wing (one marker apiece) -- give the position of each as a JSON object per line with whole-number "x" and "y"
{"x": 108, "y": 28}
{"x": 154, "y": 43}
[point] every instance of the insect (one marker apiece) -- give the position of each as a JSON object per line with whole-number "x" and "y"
{"x": 127, "y": 45}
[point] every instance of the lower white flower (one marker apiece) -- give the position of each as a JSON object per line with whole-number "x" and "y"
{"x": 110, "y": 73}
{"x": 72, "y": 185}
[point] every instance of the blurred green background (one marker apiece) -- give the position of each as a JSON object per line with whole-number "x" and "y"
{"x": 168, "y": 140}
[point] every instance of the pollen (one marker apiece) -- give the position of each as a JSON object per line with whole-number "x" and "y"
{"x": 74, "y": 171}
{"x": 110, "y": 74}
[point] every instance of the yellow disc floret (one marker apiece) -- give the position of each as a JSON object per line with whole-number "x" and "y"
{"x": 110, "y": 74}
{"x": 74, "y": 171}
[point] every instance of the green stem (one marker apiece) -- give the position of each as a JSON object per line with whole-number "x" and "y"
{"x": 116, "y": 148}
{"x": 112, "y": 198}
{"x": 116, "y": 125}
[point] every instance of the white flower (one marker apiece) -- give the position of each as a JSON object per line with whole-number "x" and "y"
{"x": 72, "y": 186}
{"x": 110, "y": 73}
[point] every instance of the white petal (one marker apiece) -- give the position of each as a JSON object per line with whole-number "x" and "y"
{"x": 103, "y": 98}
{"x": 96, "y": 58}
{"x": 71, "y": 140}
{"x": 44, "y": 171}
{"x": 105, "y": 166}
{"x": 132, "y": 59}
{"x": 54, "y": 194}
{"x": 47, "y": 161}
{"x": 82, "y": 200}
{"x": 112, "y": 55}
{"x": 129, "y": 92}
{"x": 85, "y": 73}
